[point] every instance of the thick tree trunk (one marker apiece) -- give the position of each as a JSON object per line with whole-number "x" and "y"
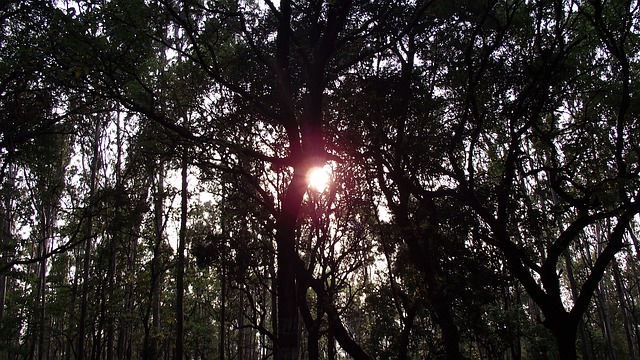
{"x": 306, "y": 147}
{"x": 313, "y": 340}
{"x": 566, "y": 342}
{"x": 450, "y": 333}
{"x": 287, "y": 337}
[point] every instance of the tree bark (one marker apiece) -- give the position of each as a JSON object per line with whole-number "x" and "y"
{"x": 566, "y": 342}
{"x": 287, "y": 337}
{"x": 179, "y": 355}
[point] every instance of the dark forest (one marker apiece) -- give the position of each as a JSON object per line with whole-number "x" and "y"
{"x": 320, "y": 179}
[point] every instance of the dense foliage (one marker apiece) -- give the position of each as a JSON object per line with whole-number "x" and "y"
{"x": 482, "y": 203}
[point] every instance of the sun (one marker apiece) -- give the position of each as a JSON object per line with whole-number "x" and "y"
{"x": 318, "y": 178}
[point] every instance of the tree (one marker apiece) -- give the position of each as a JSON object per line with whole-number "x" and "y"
{"x": 93, "y": 174}
{"x": 507, "y": 109}
{"x": 295, "y": 51}
{"x": 484, "y": 179}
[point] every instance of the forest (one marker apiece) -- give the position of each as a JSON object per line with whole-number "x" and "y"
{"x": 475, "y": 190}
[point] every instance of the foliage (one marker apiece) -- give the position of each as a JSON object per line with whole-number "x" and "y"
{"x": 483, "y": 194}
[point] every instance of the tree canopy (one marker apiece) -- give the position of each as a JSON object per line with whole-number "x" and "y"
{"x": 481, "y": 201}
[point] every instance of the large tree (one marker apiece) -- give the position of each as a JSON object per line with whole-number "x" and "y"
{"x": 271, "y": 63}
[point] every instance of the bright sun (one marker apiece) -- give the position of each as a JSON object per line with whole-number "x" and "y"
{"x": 318, "y": 178}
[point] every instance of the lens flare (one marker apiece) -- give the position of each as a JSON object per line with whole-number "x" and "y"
{"x": 318, "y": 178}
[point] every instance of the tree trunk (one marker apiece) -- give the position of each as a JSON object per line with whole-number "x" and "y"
{"x": 586, "y": 349}
{"x": 313, "y": 340}
{"x": 125, "y": 322}
{"x": 606, "y": 322}
{"x": 405, "y": 334}
{"x": 602, "y": 303}
{"x": 566, "y": 342}
{"x": 336, "y": 327}
{"x": 243, "y": 352}
{"x": 7, "y": 230}
{"x": 223, "y": 301}
{"x": 274, "y": 305}
{"x": 108, "y": 302}
{"x": 450, "y": 333}
{"x": 42, "y": 298}
{"x": 310, "y": 324}
{"x": 424, "y": 255}
{"x": 331, "y": 346}
{"x": 72, "y": 326}
{"x": 123, "y": 342}
{"x": 88, "y": 244}
{"x": 287, "y": 321}
{"x": 3, "y": 289}
{"x": 617, "y": 277}
{"x": 287, "y": 336}
{"x": 99, "y": 329}
{"x": 180, "y": 262}
{"x": 150, "y": 347}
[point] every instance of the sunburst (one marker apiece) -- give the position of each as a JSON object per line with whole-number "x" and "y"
{"x": 318, "y": 178}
